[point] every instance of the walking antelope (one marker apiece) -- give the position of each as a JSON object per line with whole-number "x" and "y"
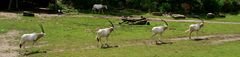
{"x": 99, "y": 7}
{"x": 159, "y": 30}
{"x": 195, "y": 27}
{"x": 33, "y": 37}
{"x": 105, "y": 32}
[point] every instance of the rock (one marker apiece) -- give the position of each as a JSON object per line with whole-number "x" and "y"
{"x": 178, "y": 16}
{"x": 195, "y": 16}
{"x": 210, "y": 15}
{"x": 221, "y": 15}
{"x": 28, "y": 13}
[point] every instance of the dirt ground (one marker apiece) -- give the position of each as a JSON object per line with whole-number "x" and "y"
{"x": 8, "y": 46}
{"x": 9, "y": 15}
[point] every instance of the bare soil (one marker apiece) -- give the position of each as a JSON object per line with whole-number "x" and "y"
{"x": 8, "y": 47}
{"x": 9, "y": 15}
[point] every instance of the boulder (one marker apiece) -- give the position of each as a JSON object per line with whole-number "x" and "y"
{"x": 210, "y": 15}
{"x": 178, "y": 16}
{"x": 28, "y": 13}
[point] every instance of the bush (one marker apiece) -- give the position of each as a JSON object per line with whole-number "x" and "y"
{"x": 53, "y": 7}
{"x": 157, "y": 13}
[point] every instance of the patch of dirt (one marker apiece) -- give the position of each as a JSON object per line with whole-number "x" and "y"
{"x": 47, "y": 15}
{"x": 226, "y": 39}
{"x": 14, "y": 15}
{"x": 7, "y": 47}
{"x": 9, "y": 15}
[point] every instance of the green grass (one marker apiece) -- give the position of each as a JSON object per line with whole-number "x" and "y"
{"x": 181, "y": 49}
{"x": 229, "y": 17}
{"x": 70, "y": 36}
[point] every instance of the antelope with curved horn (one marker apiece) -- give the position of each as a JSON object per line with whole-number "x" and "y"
{"x": 105, "y": 32}
{"x": 159, "y": 30}
{"x": 195, "y": 27}
{"x": 33, "y": 37}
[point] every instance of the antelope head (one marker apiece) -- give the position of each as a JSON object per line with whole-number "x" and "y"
{"x": 202, "y": 23}
{"x": 112, "y": 26}
{"x": 40, "y": 35}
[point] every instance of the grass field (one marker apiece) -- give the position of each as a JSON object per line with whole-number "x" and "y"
{"x": 75, "y": 37}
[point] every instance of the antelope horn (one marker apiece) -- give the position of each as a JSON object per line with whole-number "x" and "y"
{"x": 165, "y": 22}
{"x": 41, "y": 26}
{"x": 111, "y": 23}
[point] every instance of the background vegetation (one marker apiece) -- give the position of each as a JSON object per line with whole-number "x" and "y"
{"x": 131, "y": 6}
{"x": 175, "y": 6}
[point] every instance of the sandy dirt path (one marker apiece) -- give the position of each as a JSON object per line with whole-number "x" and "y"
{"x": 8, "y": 47}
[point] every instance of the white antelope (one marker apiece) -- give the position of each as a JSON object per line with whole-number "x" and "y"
{"x": 33, "y": 37}
{"x": 159, "y": 30}
{"x": 105, "y": 32}
{"x": 195, "y": 27}
{"x": 99, "y": 7}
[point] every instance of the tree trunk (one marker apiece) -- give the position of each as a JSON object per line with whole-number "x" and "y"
{"x": 17, "y": 4}
{"x": 10, "y": 3}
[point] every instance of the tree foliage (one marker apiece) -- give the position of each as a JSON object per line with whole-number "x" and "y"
{"x": 198, "y": 6}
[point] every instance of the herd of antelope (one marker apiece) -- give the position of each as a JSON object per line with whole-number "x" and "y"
{"x": 105, "y": 32}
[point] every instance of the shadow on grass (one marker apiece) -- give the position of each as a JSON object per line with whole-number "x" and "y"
{"x": 27, "y": 53}
{"x": 234, "y": 13}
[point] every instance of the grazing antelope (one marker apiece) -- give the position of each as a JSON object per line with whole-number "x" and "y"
{"x": 99, "y": 7}
{"x": 105, "y": 32}
{"x": 195, "y": 27}
{"x": 159, "y": 30}
{"x": 33, "y": 37}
